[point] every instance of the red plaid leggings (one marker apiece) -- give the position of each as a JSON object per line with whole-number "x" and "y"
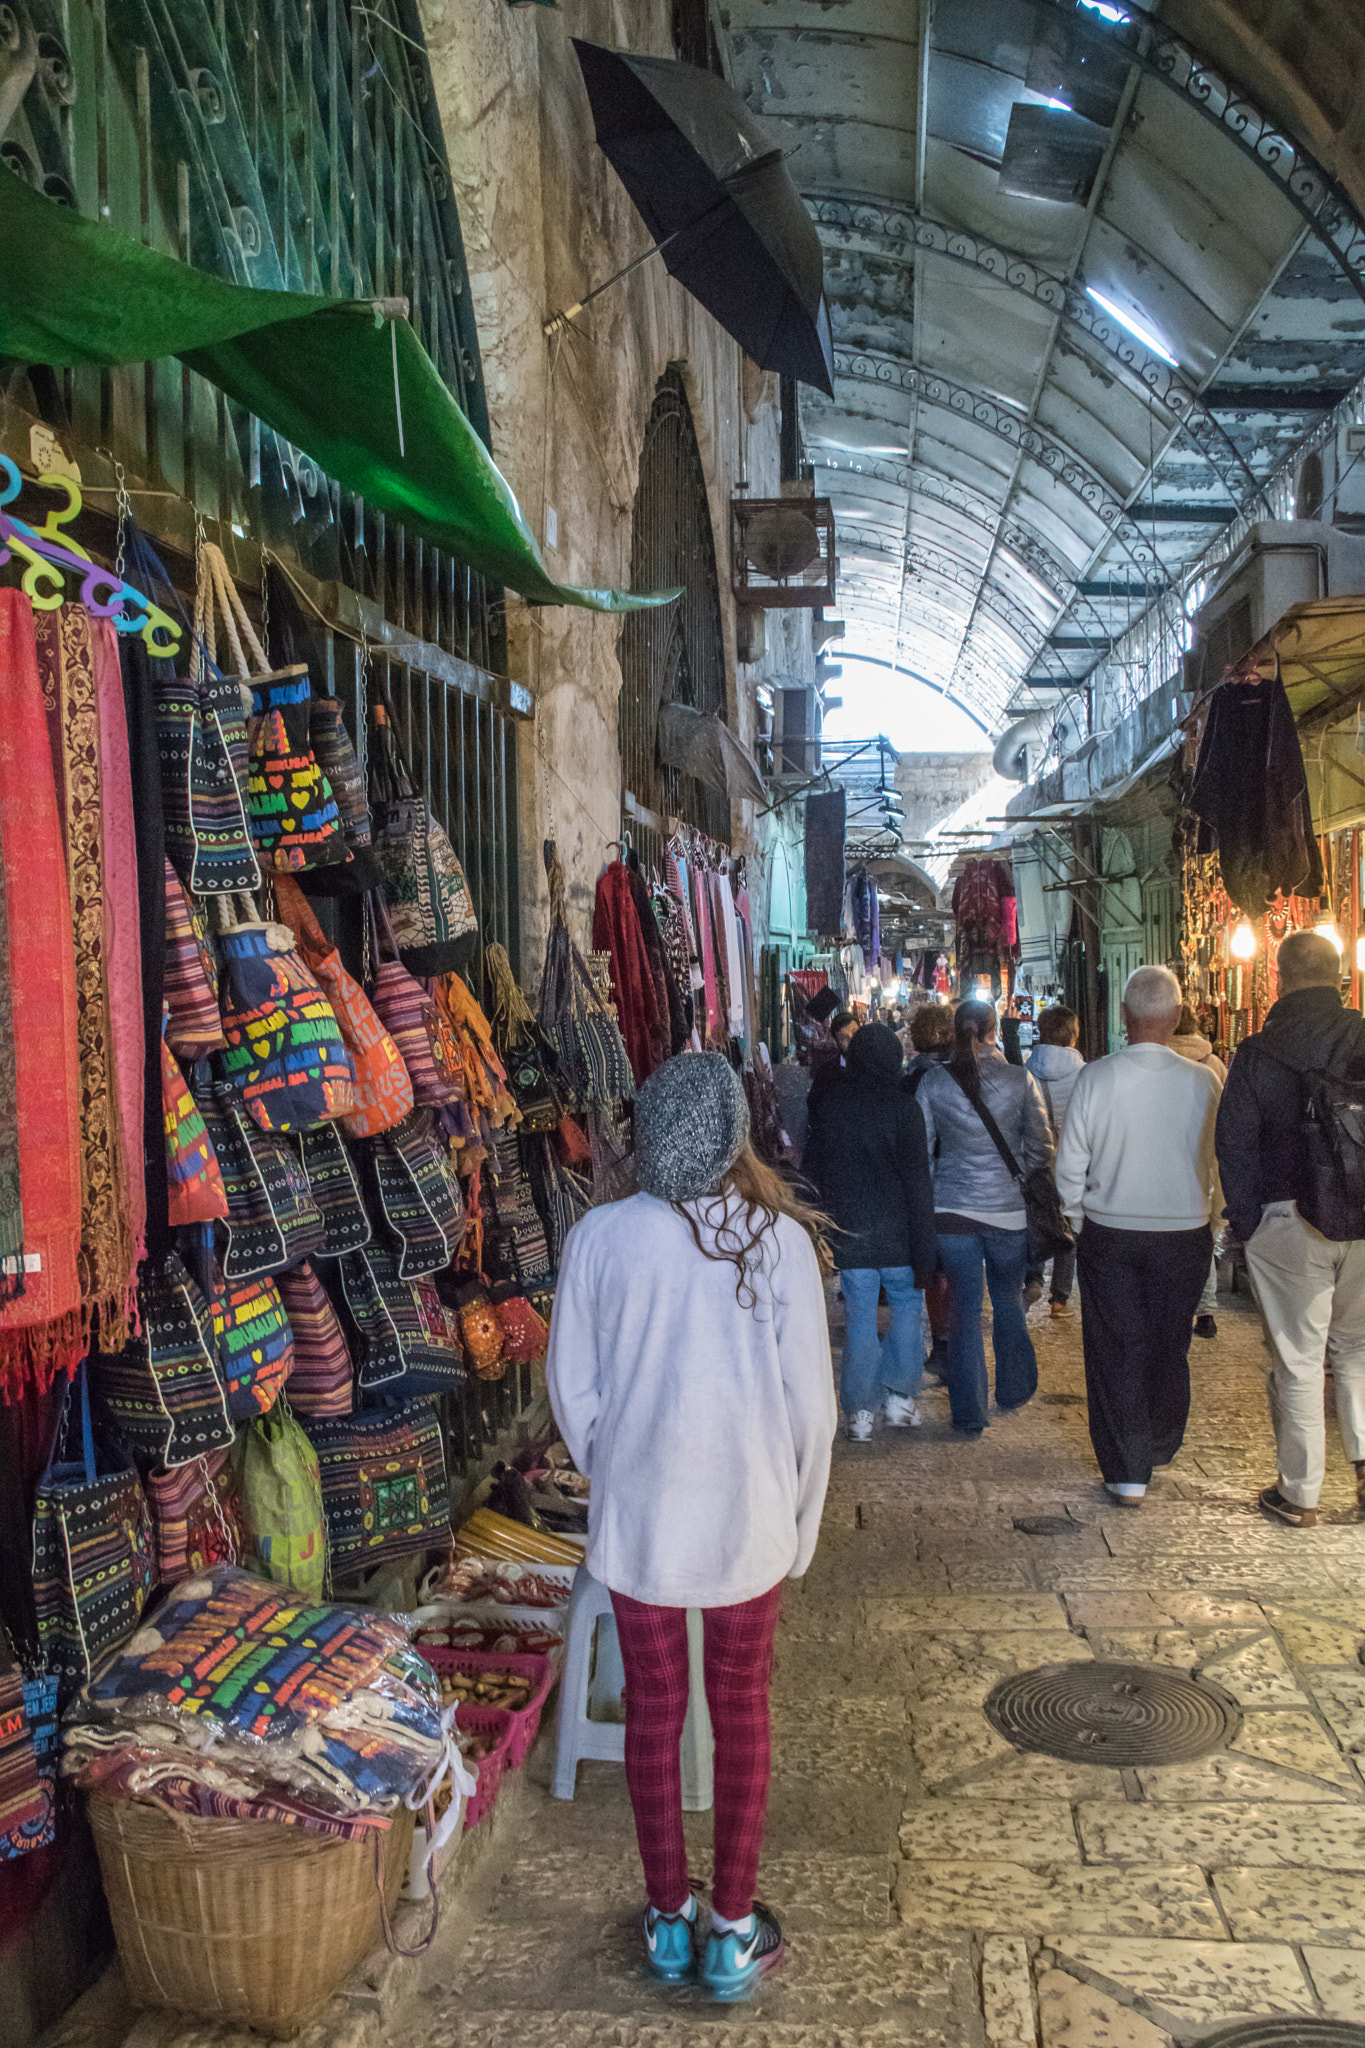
{"x": 738, "y": 1663}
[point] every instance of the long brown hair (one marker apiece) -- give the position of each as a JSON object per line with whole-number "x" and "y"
{"x": 765, "y": 1196}
{"x": 973, "y": 1024}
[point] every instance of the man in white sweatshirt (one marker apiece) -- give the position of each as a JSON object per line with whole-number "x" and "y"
{"x": 1137, "y": 1176}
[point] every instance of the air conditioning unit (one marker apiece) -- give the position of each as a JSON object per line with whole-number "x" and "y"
{"x": 1281, "y": 563}
{"x": 782, "y": 552}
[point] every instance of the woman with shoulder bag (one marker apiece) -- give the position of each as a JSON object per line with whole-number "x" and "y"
{"x": 979, "y": 1209}
{"x": 689, "y": 1370}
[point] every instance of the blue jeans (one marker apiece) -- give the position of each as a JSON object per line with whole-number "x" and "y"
{"x": 870, "y": 1363}
{"x": 1002, "y": 1254}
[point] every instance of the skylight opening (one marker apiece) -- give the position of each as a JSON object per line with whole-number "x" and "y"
{"x": 1105, "y": 12}
{"x": 1137, "y": 328}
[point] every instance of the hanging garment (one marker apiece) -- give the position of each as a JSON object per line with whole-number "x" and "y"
{"x": 149, "y": 833}
{"x": 42, "y": 1331}
{"x": 711, "y": 1026}
{"x": 617, "y": 931}
{"x": 666, "y": 989}
{"x": 122, "y": 935}
{"x": 68, "y": 645}
{"x": 1250, "y": 794}
{"x": 734, "y": 959}
{"x": 11, "y": 1196}
{"x": 825, "y": 860}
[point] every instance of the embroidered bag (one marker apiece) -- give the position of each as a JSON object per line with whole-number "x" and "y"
{"x": 383, "y": 1089}
{"x": 336, "y": 1191}
{"x": 201, "y": 738}
{"x": 593, "y": 1066}
{"x": 196, "y": 1516}
{"x": 294, "y": 818}
{"x": 423, "y": 879}
{"x": 191, "y": 977}
{"x": 336, "y": 757}
{"x": 255, "y": 1345}
{"x": 419, "y": 1193}
{"x": 410, "y": 1016}
{"x": 516, "y": 1248}
{"x": 273, "y": 1220}
{"x": 194, "y": 1181}
{"x": 482, "y": 1336}
{"x": 525, "y": 1334}
{"x": 404, "y": 1345}
{"x": 320, "y": 1383}
{"x": 92, "y": 1555}
{"x": 384, "y": 1487}
{"x": 164, "y": 1389}
{"x": 284, "y": 1060}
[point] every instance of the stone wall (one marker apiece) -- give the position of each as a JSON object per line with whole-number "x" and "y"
{"x": 544, "y": 219}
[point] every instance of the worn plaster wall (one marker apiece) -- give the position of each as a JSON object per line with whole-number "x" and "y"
{"x": 544, "y": 219}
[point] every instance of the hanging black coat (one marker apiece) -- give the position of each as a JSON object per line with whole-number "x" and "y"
{"x": 1250, "y": 794}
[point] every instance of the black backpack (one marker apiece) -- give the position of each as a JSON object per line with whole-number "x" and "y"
{"x": 1332, "y": 1128}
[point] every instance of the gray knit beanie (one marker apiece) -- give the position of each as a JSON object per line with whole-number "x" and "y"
{"x": 691, "y": 1123}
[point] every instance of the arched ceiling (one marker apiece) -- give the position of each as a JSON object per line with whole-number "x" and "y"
{"x": 1003, "y": 187}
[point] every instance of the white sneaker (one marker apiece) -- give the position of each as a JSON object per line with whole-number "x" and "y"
{"x": 1126, "y": 1490}
{"x": 860, "y": 1427}
{"x": 901, "y": 1412}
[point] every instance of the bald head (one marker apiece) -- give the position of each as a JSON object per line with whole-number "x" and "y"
{"x": 1307, "y": 961}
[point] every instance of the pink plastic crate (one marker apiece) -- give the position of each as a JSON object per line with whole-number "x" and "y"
{"x": 487, "y": 1721}
{"x": 526, "y": 1720}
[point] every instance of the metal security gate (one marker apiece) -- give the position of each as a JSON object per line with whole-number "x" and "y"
{"x": 677, "y": 653}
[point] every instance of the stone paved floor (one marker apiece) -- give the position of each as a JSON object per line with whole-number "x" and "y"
{"x": 938, "y": 1885}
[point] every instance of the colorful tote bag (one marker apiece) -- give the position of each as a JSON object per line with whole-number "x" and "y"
{"x": 423, "y": 880}
{"x": 410, "y": 1016}
{"x": 194, "y": 1180}
{"x": 294, "y": 818}
{"x": 419, "y": 1193}
{"x": 284, "y": 1061}
{"x": 321, "y": 1382}
{"x": 92, "y": 1555}
{"x": 163, "y": 1389}
{"x": 384, "y": 1487}
{"x": 403, "y": 1345}
{"x": 196, "y": 1515}
{"x": 203, "y": 747}
{"x": 255, "y": 1345}
{"x": 273, "y": 1220}
{"x": 336, "y": 1190}
{"x": 383, "y": 1089}
{"x": 191, "y": 977}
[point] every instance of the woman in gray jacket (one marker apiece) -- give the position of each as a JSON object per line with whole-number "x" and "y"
{"x": 979, "y": 1210}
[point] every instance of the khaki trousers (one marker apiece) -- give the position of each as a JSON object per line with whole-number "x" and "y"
{"x": 1311, "y": 1294}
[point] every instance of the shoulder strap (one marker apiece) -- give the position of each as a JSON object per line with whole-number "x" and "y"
{"x": 997, "y": 1136}
{"x": 1047, "y": 1097}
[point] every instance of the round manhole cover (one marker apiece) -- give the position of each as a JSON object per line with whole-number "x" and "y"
{"x": 1112, "y": 1714}
{"x": 1288, "y": 2034}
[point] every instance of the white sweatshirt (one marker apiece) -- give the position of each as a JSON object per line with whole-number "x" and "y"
{"x": 704, "y": 1425}
{"x": 1137, "y": 1151}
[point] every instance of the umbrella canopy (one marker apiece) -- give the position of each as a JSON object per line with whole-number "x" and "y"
{"x": 705, "y": 747}
{"x": 711, "y": 187}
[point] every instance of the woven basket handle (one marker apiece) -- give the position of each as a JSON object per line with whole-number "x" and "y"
{"x": 391, "y": 1941}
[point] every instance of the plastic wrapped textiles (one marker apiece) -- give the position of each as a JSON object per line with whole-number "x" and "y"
{"x": 234, "y": 1679}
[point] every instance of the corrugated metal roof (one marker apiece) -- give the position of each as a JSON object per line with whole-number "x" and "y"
{"x": 1000, "y": 434}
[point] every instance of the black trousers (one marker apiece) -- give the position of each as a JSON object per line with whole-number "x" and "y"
{"x": 1139, "y": 1293}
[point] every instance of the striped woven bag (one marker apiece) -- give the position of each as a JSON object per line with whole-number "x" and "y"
{"x": 411, "y": 1016}
{"x": 384, "y": 1486}
{"x": 285, "y": 1061}
{"x": 336, "y": 1190}
{"x": 419, "y": 1193}
{"x": 191, "y": 977}
{"x": 273, "y": 1219}
{"x": 163, "y": 1389}
{"x": 320, "y": 1383}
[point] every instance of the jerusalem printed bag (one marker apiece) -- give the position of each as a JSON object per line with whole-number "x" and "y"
{"x": 191, "y": 977}
{"x": 411, "y": 1017}
{"x": 294, "y": 818}
{"x": 383, "y": 1089}
{"x": 384, "y": 1487}
{"x": 255, "y": 1345}
{"x": 336, "y": 1191}
{"x": 196, "y": 1516}
{"x": 92, "y": 1554}
{"x": 163, "y": 1389}
{"x": 423, "y": 879}
{"x": 321, "y": 1382}
{"x": 284, "y": 1061}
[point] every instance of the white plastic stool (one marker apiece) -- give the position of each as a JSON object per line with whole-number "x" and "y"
{"x": 593, "y": 1677}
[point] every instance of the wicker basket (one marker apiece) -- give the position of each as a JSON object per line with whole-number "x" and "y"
{"x": 250, "y": 1921}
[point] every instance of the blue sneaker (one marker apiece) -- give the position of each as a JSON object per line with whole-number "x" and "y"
{"x": 669, "y": 1942}
{"x": 734, "y": 1962}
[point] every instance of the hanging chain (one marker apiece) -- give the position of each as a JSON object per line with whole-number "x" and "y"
{"x": 125, "y": 513}
{"x": 265, "y": 605}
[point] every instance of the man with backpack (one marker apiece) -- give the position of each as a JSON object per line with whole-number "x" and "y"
{"x": 1291, "y": 1148}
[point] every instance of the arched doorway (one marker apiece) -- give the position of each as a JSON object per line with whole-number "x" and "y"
{"x": 674, "y": 655}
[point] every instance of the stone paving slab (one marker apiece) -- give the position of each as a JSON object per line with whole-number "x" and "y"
{"x": 986, "y": 1896}
{"x": 1212, "y": 1834}
{"x": 1325, "y": 1906}
{"x": 1003, "y": 1830}
{"x": 1338, "y": 1977}
{"x": 1178, "y": 1984}
{"x": 1074, "y": 2015}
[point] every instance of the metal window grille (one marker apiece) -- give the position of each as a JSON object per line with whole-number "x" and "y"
{"x": 677, "y": 653}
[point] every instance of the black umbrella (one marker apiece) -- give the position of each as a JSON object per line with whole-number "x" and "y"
{"x": 714, "y": 193}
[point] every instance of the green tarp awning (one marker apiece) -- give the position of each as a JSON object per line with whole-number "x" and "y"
{"x": 319, "y": 371}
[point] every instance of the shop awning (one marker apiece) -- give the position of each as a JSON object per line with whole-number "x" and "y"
{"x": 1321, "y": 651}
{"x": 353, "y": 389}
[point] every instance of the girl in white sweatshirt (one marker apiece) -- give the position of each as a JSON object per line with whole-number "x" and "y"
{"x": 690, "y": 1373}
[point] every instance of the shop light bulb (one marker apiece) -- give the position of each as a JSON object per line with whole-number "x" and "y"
{"x": 1325, "y": 929}
{"x": 1242, "y": 945}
